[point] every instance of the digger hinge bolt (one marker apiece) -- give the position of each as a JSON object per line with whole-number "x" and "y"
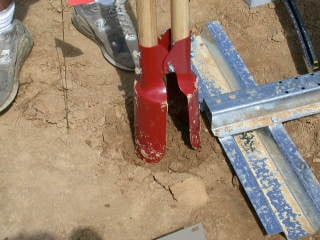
{"x": 171, "y": 68}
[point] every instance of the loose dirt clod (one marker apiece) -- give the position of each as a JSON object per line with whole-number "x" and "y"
{"x": 191, "y": 192}
{"x": 278, "y": 37}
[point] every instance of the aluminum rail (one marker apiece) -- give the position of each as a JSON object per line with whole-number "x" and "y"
{"x": 280, "y": 185}
{"x": 264, "y": 105}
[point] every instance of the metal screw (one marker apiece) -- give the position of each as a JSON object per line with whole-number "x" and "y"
{"x": 275, "y": 119}
{"x": 171, "y": 68}
{"x": 138, "y": 70}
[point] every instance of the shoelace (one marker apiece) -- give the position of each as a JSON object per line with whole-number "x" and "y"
{"x": 5, "y": 57}
{"x": 118, "y": 11}
{"x": 5, "y": 53}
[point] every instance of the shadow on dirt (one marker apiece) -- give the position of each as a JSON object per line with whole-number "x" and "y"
{"x": 310, "y": 13}
{"x": 22, "y": 7}
{"x": 127, "y": 79}
{"x": 77, "y": 234}
{"x": 36, "y": 236}
{"x": 67, "y": 49}
{"x": 84, "y": 234}
{"x": 127, "y": 87}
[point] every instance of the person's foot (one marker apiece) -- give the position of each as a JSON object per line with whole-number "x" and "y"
{"x": 111, "y": 28}
{"x": 15, "y": 46}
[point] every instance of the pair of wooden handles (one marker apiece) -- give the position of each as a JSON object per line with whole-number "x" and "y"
{"x": 147, "y": 21}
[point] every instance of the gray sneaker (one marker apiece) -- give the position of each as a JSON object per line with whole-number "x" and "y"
{"x": 15, "y": 46}
{"x": 111, "y": 28}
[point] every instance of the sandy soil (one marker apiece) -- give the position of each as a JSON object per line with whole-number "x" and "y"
{"x": 85, "y": 182}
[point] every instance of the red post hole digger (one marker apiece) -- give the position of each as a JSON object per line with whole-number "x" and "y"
{"x": 166, "y": 79}
{"x": 154, "y": 90}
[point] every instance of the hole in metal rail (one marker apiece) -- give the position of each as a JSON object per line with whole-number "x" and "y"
{"x": 286, "y": 92}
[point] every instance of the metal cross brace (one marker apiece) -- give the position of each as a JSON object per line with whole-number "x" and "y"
{"x": 256, "y": 3}
{"x": 195, "y": 232}
{"x": 264, "y": 105}
{"x": 248, "y": 118}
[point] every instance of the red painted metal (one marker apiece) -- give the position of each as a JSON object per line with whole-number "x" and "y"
{"x": 152, "y": 93}
{"x": 79, "y": 2}
{"x": 180, "y": 58}
{"x": 151, "y": 105}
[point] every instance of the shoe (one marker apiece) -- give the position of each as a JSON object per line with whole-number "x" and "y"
{"x": 112, "y": 29}
{"x": 15, "y": 46}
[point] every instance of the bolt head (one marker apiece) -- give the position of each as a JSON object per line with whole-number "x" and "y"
{"x": 171, "y": 68}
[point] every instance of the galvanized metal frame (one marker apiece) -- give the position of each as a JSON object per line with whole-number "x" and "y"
{"x": 195, "y": 232}
{"x": 280, "y": 185}
{"x": 264, "y": 105}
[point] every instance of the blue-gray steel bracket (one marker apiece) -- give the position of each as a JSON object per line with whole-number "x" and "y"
{"x": 279, "y": 183}
{"x": 261, "y": 106}
{"x": 195, "y": 232}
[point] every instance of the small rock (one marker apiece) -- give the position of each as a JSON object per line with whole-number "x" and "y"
{"x": 61, "y": 124}
{"x": 176, "y": 166}
{"x": 88, "y": 142}
{"x": 253, "y": 10}
{"x": 236, "y": 182}
{"x": 101, "y": 121}
{"x": 190, "y": 192}
{"x": 316, "y": 160}
{"x": 278, "y": 37}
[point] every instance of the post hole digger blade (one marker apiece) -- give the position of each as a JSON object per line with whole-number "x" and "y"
{"x": 169, "y": 54}
{"x": 184, "y": 93}
{"x": 151, "y": 106}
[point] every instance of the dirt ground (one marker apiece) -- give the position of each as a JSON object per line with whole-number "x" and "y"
{"x": 85, "y": 182}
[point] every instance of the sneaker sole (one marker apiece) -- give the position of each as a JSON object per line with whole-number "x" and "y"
{"x": 81, "y": 25}
{"x": 25, "y": 50}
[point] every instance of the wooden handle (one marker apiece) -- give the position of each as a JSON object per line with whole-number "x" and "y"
{"x": 147, "y": 22}
{"x": 180, "y": 19}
